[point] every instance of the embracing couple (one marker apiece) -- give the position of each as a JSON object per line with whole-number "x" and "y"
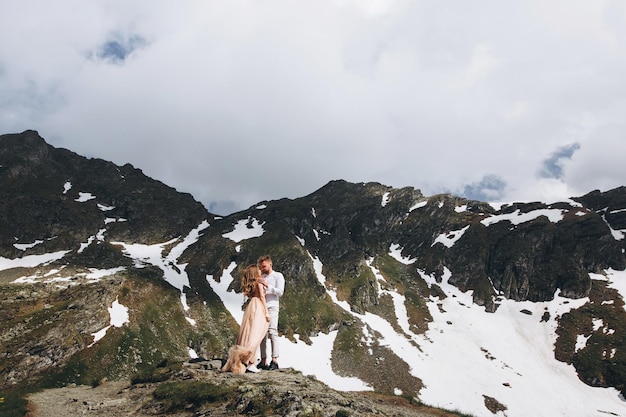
{"x": 263, "y": 286}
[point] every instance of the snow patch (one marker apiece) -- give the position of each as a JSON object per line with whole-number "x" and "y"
{"x": 449, "y": 239}
{"x": 395, "y": 251}
{"x": 83, "y": 197}
{"x": 385, "y": 199}
{"x": 102, "y": 207}
{"x": 173, "y": 272}
{"x": 554, "y": 215}
{"x": 25, "y": 246}
{"x": 119, "y": 317}
{"x": 31, "y": 261}
{"x": 418, "y": 205}
{"x": 245, "y": 229}
{"x": 615, "y": 279}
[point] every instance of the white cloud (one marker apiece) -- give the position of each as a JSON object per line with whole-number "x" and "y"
{"x": 233, "y": 100}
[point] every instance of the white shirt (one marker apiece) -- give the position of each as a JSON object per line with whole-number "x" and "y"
{"x": 275, "y": 288}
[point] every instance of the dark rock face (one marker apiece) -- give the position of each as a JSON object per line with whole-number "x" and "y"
{"x": 64, "y": 198}
{"x": 532, "y": 260}
{"x": 529, "y": 260}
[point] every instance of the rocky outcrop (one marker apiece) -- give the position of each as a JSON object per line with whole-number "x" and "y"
{"x": 200, "y": 389}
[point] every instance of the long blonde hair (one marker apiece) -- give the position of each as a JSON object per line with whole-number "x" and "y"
{"x": 249, "y": 280}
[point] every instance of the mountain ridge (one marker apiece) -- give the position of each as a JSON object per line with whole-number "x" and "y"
{"x": 364, "y": 245}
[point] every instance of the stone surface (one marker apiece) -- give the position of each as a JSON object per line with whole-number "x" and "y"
{"x": 284, "y": 393}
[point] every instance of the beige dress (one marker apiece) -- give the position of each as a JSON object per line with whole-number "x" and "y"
{"x": 253, "y": 328}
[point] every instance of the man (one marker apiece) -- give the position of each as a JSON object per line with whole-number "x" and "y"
{"x": 274, "y": 283}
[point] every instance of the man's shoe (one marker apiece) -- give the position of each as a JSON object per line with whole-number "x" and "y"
{"x": 252, "y": 368}
{"x": 272, "y": 366}
{"x": 264, "y": 366}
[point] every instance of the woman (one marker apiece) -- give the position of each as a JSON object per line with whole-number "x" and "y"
{"x": 254, "y": 324}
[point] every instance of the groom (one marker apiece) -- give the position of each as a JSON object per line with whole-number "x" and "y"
{"x": 274, "y": 283}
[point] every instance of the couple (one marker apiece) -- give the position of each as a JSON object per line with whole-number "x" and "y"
{"x": 263, "y": 286}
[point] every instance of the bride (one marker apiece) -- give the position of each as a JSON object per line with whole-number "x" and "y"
{"x": 254, "y": 324}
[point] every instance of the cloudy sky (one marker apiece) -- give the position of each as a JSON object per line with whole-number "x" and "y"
{"x": 240, "y": 101}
